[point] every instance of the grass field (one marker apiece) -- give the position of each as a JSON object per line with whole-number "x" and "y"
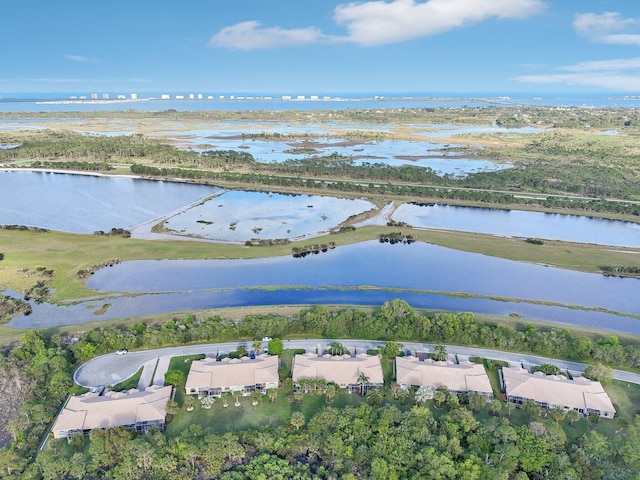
{"x": 68, "y": 253}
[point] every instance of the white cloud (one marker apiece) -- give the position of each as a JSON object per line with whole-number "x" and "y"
{"x": 621, "y": 74}
{"x": 615, "y": 65}
{"x": 81, "y": 59}
{"x": 379, "y": 22}
{"x": 252, "y": 36}
{"x": 608, "y": 27}
{"x": 614, "y": 82}
{"x": 618, "y": 74}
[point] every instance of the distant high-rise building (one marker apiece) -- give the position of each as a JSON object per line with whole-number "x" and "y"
{"x": 165, "y": 96}
{"x": 105, "y": 96}
{"x": 94, "y": 96}
{"x": 134, "y": 96}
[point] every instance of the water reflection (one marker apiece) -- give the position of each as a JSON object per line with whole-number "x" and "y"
{"x": 367, "y": 273}
{"x": 517, "y": 223}
{"x": 238, "y": 216}
{"x": 86, "y": 203}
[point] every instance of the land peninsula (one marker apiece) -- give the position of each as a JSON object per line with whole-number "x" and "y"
{"x": 573, "y": 160}
{"x": 578, "y": 161}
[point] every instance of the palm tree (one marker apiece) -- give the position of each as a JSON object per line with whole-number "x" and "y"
{"x": 509, "y": 406}
{"x": 530, "y": 409}
{"x": 395, "y": 388}
{"x": 362, "y": 379}
{"x": 375, "y": 396}
{"x": 172, "y": 407}
{"x": 573, "y": 416}
{"x": 331, "y": 392}
{"x": 453, "y": 401}
{"x": 298, "y": 395}
{"x": 558, "y": 414}
{"x": 297, "y": 420}
{"x": 439, "y": 397}
{"x": 495, "y": 406}
{"x": 257, "y": 346}
{"x": 272, "y": 393}
{"x": 403, "y": 395}
{"x": 256, "y": 395}
{"x": 424, "y": 393}
{"x": 440, "y": 353}
{"x": 476, "y": 401}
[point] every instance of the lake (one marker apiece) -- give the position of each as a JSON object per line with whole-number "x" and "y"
{"x": 518, "y": 223}
{"x": 365, "y": 273}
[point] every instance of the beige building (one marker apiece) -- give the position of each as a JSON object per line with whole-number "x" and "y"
{"x": 211, "y": 378}
{"x": 463, "y": 377}
{"x": 343, "y": 370}
{"x": 553, "y": 391}
{"x": 136, "y": 410}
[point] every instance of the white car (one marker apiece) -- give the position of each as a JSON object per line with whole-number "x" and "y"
{"x": 266, "y": 339}
{"x": 121, "y": 352}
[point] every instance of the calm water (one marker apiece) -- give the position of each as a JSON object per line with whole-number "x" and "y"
{"x": 441, "y": 158}
{"x": 330, "y": 278}
{"x": 86, "y": 203}
{"x": 516, "y": 223}
{"x": 32, "y": 102}
{"x": 238, "y": 216}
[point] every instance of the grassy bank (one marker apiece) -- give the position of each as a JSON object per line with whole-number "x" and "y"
{"x": 67, "y": 253}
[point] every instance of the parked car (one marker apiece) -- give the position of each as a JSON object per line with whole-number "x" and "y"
{"x": 121, "y": 352}
{"x": 266, "y": 339}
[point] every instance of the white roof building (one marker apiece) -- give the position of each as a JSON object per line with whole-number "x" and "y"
{"x": 133, "y": 409}
{"x": 460, "y": 377}
{"x": 343, "y": 370}
{"x": 552, "y": 391}
{"x": 209, "y": 377}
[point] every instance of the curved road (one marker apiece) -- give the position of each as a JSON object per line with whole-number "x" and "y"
{"x": 110, "y": 369}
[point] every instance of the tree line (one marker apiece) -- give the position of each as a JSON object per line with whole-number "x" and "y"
{"x": 43, "y": 365}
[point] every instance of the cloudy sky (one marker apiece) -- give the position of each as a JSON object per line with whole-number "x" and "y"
{"x": 321, "y": 46}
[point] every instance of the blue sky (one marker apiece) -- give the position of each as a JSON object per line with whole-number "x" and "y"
{"x": 320, "y": 47}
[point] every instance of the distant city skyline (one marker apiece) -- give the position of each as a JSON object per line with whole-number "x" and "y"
{"x": 326, "y": 48}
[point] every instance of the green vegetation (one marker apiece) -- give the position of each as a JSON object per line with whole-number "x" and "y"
{"x": 568, "y": 168}
{"x": 73, "y": 257}
{"x": 129, "y": 383}
{"x": 308, "y": 436}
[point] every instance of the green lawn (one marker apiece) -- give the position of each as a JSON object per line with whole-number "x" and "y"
{"x": 129, "y": 383}
{"x": 246, "y": 416}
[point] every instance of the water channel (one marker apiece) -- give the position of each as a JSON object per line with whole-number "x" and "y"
{"x": 427, "y": 276}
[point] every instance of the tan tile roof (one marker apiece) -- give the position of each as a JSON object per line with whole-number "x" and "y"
{"x": 340, "y": 369}
{"x": 462, "y": 377}
{"x": 580, "y": 393}
{"x": 232, "y": 372}
{"x": 113, "y": 409}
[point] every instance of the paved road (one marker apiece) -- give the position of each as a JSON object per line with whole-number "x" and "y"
{"x": 110, "y": 369}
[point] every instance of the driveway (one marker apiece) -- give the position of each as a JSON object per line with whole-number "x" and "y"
{"x": 110, "y": 369}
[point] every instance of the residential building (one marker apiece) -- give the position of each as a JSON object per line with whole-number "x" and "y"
{"x": 134, "y": 409}
{"x": 210, "y": 377}
{"x": 463, "y": 377}
{"x": 553, "y": 391}
{"x": 346, "y": 371}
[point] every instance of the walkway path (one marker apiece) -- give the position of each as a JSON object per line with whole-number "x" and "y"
{"x": 111, "y": 368}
